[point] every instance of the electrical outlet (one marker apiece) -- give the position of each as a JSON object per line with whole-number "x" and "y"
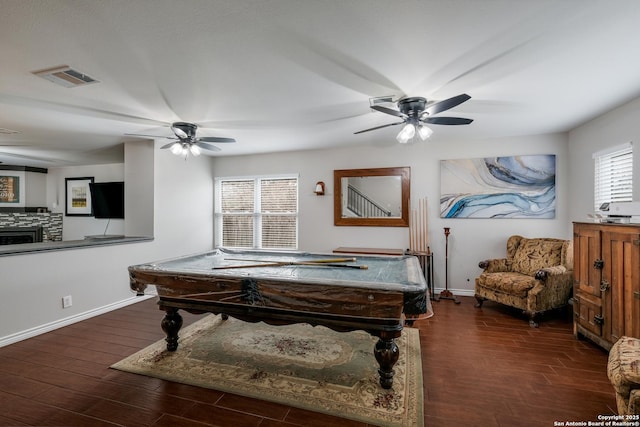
{"x": 66, "y": 301}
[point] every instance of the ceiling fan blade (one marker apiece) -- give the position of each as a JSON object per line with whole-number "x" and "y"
{"x": 388, "y": 111}
{"x": 446, "y": 104}
{"x": 206, "y": 146}
{"x": 378, "y": 127}
{"x": 215, "y": 139}
{"x": 179, "y": 132}
{"x": 446, "y": 121}
{"x": 151, "y": 136}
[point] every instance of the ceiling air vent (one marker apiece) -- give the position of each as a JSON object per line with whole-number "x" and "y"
{"x": 65, "y": 76}
{"x": 5, "y": 131}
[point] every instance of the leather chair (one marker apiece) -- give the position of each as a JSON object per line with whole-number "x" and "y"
{"x": 535, "y": 276}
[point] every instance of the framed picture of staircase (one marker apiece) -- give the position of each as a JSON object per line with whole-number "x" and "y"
{"x": 372, "y": 197}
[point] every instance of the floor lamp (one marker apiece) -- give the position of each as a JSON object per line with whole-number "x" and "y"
{"x": 446, "y": 293}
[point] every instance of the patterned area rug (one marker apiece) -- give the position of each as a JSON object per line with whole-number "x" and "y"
{"x": 308, "y": 367}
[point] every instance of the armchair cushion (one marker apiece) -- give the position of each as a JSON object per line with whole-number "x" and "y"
{"x": 535, "y": 254}
{"x": 508, "y": 282}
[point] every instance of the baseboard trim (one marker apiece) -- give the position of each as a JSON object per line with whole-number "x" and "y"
{"x": 48, "y": 327}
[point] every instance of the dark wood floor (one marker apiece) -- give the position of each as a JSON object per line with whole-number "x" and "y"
{"x": 481, "y": 368}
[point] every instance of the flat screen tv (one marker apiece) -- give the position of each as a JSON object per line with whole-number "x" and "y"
{"x": 107, "y": 199}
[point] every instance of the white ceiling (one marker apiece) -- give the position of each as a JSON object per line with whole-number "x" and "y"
{"x": 298, "y": 74}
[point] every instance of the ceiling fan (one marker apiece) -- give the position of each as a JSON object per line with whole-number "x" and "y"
{"x": 185, "y": 140}
{"x": 417, "y": 113}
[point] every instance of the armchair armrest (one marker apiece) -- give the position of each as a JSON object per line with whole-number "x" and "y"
{"x": 544, "y": 273}
{"x": 495, "y": 265}
{"x": 552, "y": 289}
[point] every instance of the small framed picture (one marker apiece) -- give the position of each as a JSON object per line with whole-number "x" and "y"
{"x": 12, "y": 189}
{"x": 78, "y": 197}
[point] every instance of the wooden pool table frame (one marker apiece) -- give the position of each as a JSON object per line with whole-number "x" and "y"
{"x": 386, "y": 328}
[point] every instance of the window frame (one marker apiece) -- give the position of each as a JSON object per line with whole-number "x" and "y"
{"x": 257, "y": 213}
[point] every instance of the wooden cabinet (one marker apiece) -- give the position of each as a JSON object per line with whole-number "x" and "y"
{"x": 607, "y": 281}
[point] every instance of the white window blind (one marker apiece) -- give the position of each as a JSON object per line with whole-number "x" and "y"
{"x": 238, "y": 204}
{"x": 259, "y": 212}
{"x": 613, "y": 175}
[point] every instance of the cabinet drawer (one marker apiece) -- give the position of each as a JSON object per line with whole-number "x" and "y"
{"x": 588, "y": 312}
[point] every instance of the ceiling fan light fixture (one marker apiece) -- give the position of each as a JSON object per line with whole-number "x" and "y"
{"x": 185, "y": 142}
{"x": 406, "y": 134}
{"x": 176, "y": 148}
{"x": 424, "y": 132}
{"x": 415, "y": 112}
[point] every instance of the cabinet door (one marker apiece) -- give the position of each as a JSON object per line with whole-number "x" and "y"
{"x": 586, "y": 251}
{"x": 620, "y": 283}
{"x": 588, "y": 312}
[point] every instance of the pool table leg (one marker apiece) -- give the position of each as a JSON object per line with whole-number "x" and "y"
{"x": 171, "y": 324}
{"x": 387, "y": 353}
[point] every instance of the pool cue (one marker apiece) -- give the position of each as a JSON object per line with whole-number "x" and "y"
{"x": 285, "y": 263}
{"x": 314, "y": 261}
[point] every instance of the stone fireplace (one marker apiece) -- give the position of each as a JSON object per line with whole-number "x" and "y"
{"x": 50, "y": 225}
{"x": 24, "y": 217}
{"x": 16, "y": 235}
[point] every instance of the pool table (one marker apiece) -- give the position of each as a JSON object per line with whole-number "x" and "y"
{"x": 370, "y": 293}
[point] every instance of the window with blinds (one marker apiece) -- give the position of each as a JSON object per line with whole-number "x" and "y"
{"x": 260, "y": 212}
{"x": 613, "y": 175}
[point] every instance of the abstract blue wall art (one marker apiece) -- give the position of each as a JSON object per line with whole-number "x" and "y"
{"x": 499, "y": 187}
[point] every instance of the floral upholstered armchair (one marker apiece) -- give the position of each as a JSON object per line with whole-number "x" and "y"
{"x": 536, "y": 276}
{"x": 623, "y": 370}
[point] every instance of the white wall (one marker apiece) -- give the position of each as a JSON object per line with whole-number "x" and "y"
{"x": 183, "y": 204}
{"x": 138, "y": 193}
{"x": 470, "y": 241}
{"x": 32, "y": 285}
{"x": 617, "y": 127}
{"x": 35, "y": 189}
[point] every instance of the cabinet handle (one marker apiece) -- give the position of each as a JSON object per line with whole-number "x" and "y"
{"x": 598, "y": 264}
{"x": 604, "y": 286}
{"x": 636, "y": 294}
{"x": 598, "y": 319}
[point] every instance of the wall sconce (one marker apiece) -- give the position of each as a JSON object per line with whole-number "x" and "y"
{"x": 319, "y": 188}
